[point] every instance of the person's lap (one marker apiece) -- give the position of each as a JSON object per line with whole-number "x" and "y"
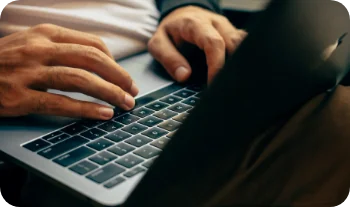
{"x": 303, "y": 161}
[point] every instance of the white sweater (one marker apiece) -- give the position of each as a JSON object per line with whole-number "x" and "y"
{"x": 124, "y": 25}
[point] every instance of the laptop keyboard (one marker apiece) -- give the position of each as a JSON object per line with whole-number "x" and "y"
{"x": 110, "y": 152}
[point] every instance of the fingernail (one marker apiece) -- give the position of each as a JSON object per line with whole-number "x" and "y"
{"x": 129, "y": 101}
{"x": 134, "y": 90}
{"x": 106, "y": 113}
{"x": 181, "y": 74}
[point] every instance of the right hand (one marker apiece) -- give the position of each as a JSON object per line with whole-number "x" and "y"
{"x": 51, "y": 57}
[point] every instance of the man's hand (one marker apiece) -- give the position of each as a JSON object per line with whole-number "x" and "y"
{"x": 212, "y": 33}
{"x": 50, "y": 57}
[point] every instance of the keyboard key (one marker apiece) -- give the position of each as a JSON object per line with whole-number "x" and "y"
{"x": 157, "y": 106}
{"x": 165, "y": 114}
{"x": 36, "y": 145}
{"x": 121, "y": 149}
{"x": 114, "y": 182}
{"x": 105, "y": 173}
{"x": 129, "y": 161}
{"x": 199, "y": 95}
{"x": 127, "y": 119}
{"x": 191, "y": 101}
{"x": 160, "y": 143}
{"x": 134, "y": 128}
{"x": 118, "y": 136}
{"x": 74, "y": 156}
{"x": 63, "y": 147}
{"x": 74, "y": 129}
{"x": 83, "y": 167}
{"x": 103, "y": 158}
{"x": 147, "y": 152}
{"x": 90, "y": 123}
{"x": 195, "y": 88}
{"x": 100, "y": 144}
{"x": 149, "y": 163}
{"x": 93, "y": 133}
{"x": 181, "y": 117}
{"x": 180, "y": 108}
{"x": 134, "y": 172}
{"x": 171, "y": 99}
{"x": 52, "y": 135}
{"x": 170, "y": 125}
{"x": 155, "y": 133}
{"x": 170, "y": 135}
{"x": 110, "y": 126}
{"x": 184, "y": 93}
{"x": 142, "y": 112}
{"x": 59, "y": 138}
{"x": 138, "y": 140}
{"x": 150, "y": 121}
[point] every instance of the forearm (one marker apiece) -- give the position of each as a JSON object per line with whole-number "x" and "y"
{"x": 166, "y": 6}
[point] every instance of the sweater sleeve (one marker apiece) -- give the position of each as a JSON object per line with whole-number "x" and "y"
{"x": 167, "y": 6}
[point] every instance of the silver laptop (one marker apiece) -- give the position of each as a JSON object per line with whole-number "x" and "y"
{"x": 104, "y": 162}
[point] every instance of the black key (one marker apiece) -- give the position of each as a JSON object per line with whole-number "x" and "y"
{"x": 149, "y": 163}
{"x": 171, "y": 99}
{"x": 199, "y": 95}
{"x": 195, "y": 88}
{"x": 121, "y": 149}
{"x": 63, "y": 147}
{"x": 129, "y": 161}
{"x": 103, "y": 158}
{"x": 74, "y": 129}
{"x": 83, "y": 167}
{"x": 147, "y": 152}
{"x": 91, "y": 123}
{"x": 74, "y": 156}
{"x": 134, "y": 128}
{"x": 170, "y": 135}
{"x": 142, "y": 112}
{"x": 59, "y": 138}
{"x": 138, "y": 140}
{"x": 155, "y": 133}
{"x": 165, "y": 114}
{"x": 170, "y": 125}
{"x": 157, "y": 106}
{"x": 127, "y": 119}
{"x": 100, "y": 144}
{"x": 157, "y": 95}
{"x": 36, "y": 145}
{"x": 184, "y": 93}
{"x": 52, "y": 135}
{"x": 110, "y": 126}
{"x": 160, "y": 143}
{"x": 134, "y": 172}
{"x": 105, "y": 173}
{"x": 93, "y": 133}
{"x": 118, "y": 136}
{"x": 114, "y": 182}
{"x": 150, "y": 121}
{"x": 181, "y": 117}
{"x": 180, "y": 108}
{"x": 191, "y": 101}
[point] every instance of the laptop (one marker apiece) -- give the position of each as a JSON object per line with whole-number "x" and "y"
{"x": 175, "y": 147}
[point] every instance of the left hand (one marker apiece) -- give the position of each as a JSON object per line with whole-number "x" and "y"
{"x": 211, "y": 32}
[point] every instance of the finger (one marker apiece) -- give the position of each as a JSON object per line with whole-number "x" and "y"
{"x": 63, "y": 35}
{"x": 164, "y": 51}
{"x": 93, "y": 60}
{"x": 77, "y": 80}
{"x": 207, "y": 38}
{"x": 58, "y": 105}
{"x": 232, "y": 36}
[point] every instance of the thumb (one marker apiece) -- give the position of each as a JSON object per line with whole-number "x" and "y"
{"x": 165, "y": 52}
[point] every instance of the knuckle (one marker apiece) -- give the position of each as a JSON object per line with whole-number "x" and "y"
{"x": 216, "y": 41}
{"x": 153, "y": 43}
{"x": 45, "y": 29}
{"x": 93, "y": 53}
{"x": 11, "y": 100}
{"x": 78, "y": 78}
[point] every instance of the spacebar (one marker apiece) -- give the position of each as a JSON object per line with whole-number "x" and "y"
{"x": 63, "y": 147}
